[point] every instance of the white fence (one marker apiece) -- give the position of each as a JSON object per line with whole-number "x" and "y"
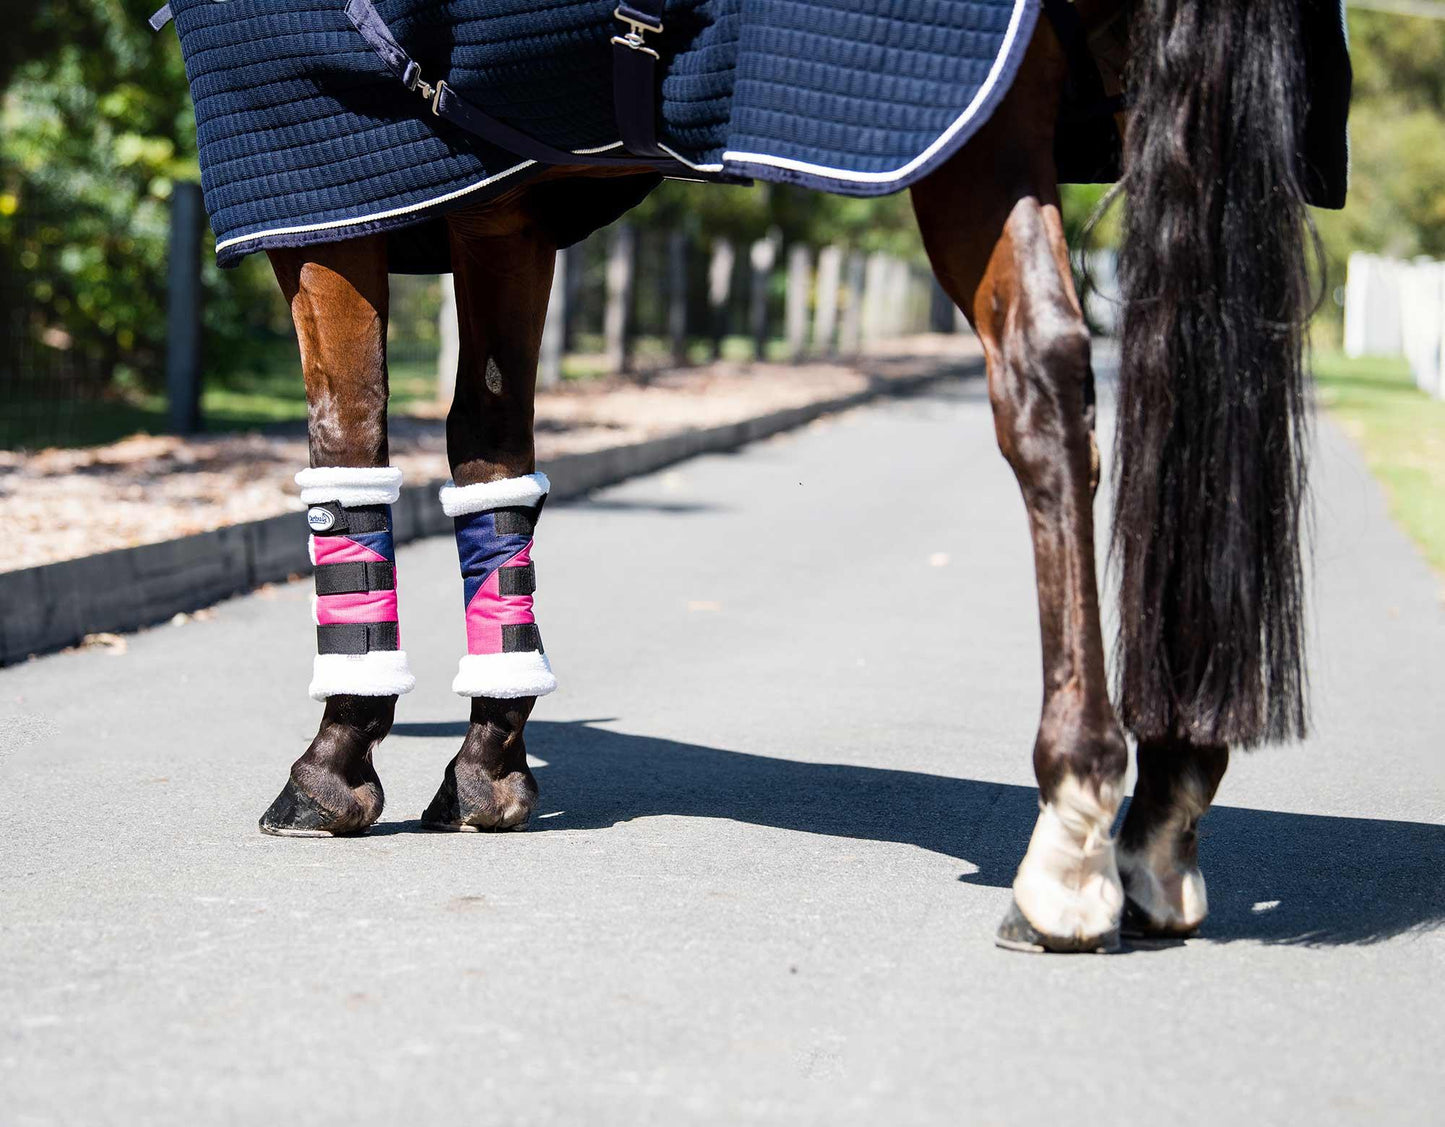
{"x": 1396, "y": 308}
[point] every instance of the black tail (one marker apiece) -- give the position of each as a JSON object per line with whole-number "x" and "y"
{"x": 1212, "y": 407}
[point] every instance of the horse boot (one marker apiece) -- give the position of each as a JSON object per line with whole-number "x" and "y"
{"x": 333, "y": 788}
{"x": 488, "y": 786}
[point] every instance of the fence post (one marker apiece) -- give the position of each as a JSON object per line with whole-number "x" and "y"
{"x": 183, "y": 309}
{"x": 617, "y": 320}
{"x": 449, "y": 345}
{"x": 762, "y": 255}
{"x": 800, "y": 283}
{"x": 719, "y": 290}
{"x": 677, "y": 295}
{"x": 850, "y": 336}
{"x": 554, "y": 328}
{"x": 825, "y": 309}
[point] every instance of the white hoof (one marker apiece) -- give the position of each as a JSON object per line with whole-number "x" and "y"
{"x": 1068, "y": 885}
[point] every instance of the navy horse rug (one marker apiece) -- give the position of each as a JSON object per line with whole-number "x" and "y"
{"x": 319, "y": 120}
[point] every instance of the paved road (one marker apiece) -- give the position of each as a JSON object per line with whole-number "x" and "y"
{"x": 785, "y": 786}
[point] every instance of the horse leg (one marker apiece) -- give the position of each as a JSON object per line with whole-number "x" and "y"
{"x": 503, "y": 272}
{"x": 338, "y": 298}
{"x": 990, "y": 221}
{"x": 1159, "y": 841}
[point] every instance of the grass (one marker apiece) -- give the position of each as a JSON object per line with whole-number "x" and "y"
{"x": 1400, "y": 431}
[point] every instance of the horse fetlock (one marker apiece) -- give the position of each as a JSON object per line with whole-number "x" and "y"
{"x": 1068, "y": 887}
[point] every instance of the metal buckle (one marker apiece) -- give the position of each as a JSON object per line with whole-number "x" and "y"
{"x": 633, "y": 39}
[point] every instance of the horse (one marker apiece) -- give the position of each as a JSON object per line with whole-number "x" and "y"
{"x": 1208, "y": 105}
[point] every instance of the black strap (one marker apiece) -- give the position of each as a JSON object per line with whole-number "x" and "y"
{"x": 1088, "y": 99}
{"x": 358, "y": 637}
{"x": 355, "y": 578}
{"x": 160, "y": 18}
{"x": 515, "y": 521}
{"x": 521, "y": 638}
{"x": 356, "y": 518}
{"x": 634, "y": 76}
{"x": 450, "y": 106}
{"x": 517, "y": 580}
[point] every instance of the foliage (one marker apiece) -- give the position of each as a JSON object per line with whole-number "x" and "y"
{"x": 1397, "y": 139}
{"x": 95, "y": 127}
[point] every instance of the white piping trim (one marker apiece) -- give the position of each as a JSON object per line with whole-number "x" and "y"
{"x": 463, "y": 500}
{"x": 677, "y": 156}
{"x": 596, "y": 149}
{"x": 947, "y": 135}
{"x": 407, "y": 210}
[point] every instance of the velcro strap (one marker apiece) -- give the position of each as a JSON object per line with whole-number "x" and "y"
{"x": 330, "y": 518}
{"x": 160, "y": 17}
{"x": 521, "y": 638}
{"x": 516, "y": 580}
{"x": 357, "y": 637}
{"x": 515, "y": 521}
{"x": 356, "y": 577}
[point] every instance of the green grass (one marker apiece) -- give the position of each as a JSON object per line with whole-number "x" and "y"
{"x": 1401, "y": 432}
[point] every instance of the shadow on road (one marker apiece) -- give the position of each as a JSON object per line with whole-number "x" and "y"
{"x": 1273, "y": 877}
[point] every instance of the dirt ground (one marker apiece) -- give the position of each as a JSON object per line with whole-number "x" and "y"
{"x": 59, "y": 504}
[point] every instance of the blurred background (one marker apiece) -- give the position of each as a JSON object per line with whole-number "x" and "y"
{"x": 98, "y": 227}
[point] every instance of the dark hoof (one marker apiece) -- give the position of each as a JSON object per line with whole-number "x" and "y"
{"x": 480, "y": 804}
{"x": 1139, "y": 925}
{"x": 1017, "y": 934}
{"x": 296, "y": 814}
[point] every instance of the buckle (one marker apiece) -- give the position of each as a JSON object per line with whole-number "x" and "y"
{"x": 633, "y": 39}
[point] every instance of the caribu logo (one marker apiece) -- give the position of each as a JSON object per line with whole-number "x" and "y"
{"x": 320, "y": 519}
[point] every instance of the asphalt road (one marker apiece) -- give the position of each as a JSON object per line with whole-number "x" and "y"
{"x": 785, "y": 785}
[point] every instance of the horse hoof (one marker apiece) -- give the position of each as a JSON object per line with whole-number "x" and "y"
{"x": 480, "y": 805}
{"x": 1017, "y": 934}
{"x": 296, "y": 814}
{"x": 1137, "y": 924}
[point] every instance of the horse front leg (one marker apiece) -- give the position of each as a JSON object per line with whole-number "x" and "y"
{"x": 338, "y": 298}
{"x": 503, "y": 273}
{"x": 991, "y": 224}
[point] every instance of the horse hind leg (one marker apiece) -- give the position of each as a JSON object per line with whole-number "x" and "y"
{"x": 338, "y": 298}
{"x": 991, "y": 224}
{"x": 1159, "y": 842}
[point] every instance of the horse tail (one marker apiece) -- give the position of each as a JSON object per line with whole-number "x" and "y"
{"x": 1213, "y": 414}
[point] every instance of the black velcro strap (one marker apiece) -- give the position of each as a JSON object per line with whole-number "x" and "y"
{"x": 516, "y": 580}
{"x": 358, "y": 637}
{"x": 344, "y": 519}
{"x": 355, "y": 578}
{"x": 515, "y": 521}
{"x": 523, "y": 638}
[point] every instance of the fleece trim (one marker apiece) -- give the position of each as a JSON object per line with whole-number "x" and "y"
{"x": 463, "y": 500}
{"x": 350, "y": 485}
{"x": 504, "y": 675}
{"x": 380, "y": 673}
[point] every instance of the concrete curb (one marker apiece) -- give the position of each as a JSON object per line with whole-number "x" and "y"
{"x": 43, "y": 609}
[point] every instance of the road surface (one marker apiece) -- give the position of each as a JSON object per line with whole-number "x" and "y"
{"x": 785, "y": 785}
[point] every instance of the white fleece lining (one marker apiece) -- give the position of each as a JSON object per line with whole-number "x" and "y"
{"x": 526, "y": 674}
{"x": 381, "y": 673}
{"x": 350, "y": 485}
{"x": 463, "y": 500}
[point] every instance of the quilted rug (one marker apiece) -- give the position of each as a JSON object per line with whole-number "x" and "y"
{"x": 304, "y": 137}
